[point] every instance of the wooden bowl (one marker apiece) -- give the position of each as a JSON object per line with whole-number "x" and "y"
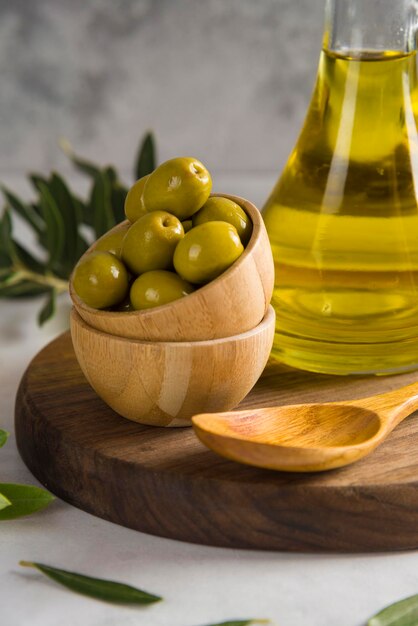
{"x": 166, "y": 383}
{"x": 231, "y": 304}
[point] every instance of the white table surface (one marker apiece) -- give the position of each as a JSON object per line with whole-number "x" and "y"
{"x": 200, "y": 585}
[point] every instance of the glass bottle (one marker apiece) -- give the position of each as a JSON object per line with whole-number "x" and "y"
{"x": 343, "y": 216}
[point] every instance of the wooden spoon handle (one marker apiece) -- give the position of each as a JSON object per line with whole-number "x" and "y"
{"x": 392, "y": 406}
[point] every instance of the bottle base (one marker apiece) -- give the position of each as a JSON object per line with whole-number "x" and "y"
{"x": 345, "y": 359}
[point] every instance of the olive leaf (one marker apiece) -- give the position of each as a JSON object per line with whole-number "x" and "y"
{"x": 146, "y": 160}
{"x": 71, "y": 217}
{"x": 118, "y": 194}
{"x": 24, "y": 499}
{"x": 37, "y": 180}
{"x": 5, "y": 265}
{"x": 402, "y": 613}
{"x": 12, "y": 252}
{"x": 48, "y": 309}
{"x": 4, "y": 502}
{"x": 107, "y": 590}
{"x": 55, "y": 226}
{"x": 3, "y": 437}
{"x": 100, "y": 205}
{"x": 111, "y": 174}
{"x": 27, "y": 259}
{"x": 26, "y": 211}
{"x": 6, "y": 241}
{"x": 24, "y": 289}
{"x": 84, "y": 166}
{"x": 13, "y": 282}
{"x": 118, "y": 201}
{"x": 62, "y": 224}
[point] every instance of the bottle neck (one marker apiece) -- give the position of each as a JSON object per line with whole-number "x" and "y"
{"x": 364, "y": 27}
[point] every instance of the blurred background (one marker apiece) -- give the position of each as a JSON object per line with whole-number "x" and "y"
{"x": 227, "y": 81}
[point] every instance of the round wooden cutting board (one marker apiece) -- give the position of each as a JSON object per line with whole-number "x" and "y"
{"x": 165, "y": 482}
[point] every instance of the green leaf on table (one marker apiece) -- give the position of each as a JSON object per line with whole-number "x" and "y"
{"x": 48, "y": 309}
{"x": 98, "y": 588}
{"x": 145, "y": 161}
{"x": 3, "y": 437}
{"x": 55, "y": 232}
{"x": 402, "y": 613}
{"x": 101, "y": 206}
{"x": 25, "y": 499}
{"x": 4, "y": 502}
{"x": 26, "y": 211}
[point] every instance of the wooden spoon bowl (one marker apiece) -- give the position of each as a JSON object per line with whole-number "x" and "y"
{"x": 166, "y": 383}
{"x": 307, "y": 437}
{"x": 233, "y": 303}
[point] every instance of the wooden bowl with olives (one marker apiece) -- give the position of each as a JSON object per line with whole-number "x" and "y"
{"x": 182, "y": 274}
{"x": 171, "y": 309}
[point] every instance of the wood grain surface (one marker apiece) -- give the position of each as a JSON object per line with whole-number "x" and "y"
{"x": 165, "y": 482}
{"x": 165, "y": 384}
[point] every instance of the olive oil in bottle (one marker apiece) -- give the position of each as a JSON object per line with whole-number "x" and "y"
{"x": 343, "y": 220}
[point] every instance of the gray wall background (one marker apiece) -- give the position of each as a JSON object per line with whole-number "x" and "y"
{"x": 227, "y": 81}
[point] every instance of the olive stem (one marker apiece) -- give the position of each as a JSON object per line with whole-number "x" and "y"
{"x": 48, "y": 280}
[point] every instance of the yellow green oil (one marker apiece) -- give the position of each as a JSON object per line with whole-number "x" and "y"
{"x": 343, "y": 222}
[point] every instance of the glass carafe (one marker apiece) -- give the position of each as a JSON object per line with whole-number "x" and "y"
{"x": 343, "y": 217}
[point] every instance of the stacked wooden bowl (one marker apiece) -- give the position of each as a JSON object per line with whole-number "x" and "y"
{"x": 201, "y": 353}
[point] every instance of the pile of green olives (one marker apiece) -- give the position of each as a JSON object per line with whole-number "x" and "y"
{"x": 177, "y": 239}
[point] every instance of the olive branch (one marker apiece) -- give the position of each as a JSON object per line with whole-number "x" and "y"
{"x": 63, "y": 225}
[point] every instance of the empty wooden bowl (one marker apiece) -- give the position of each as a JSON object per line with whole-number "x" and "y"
{"x": 231, "y": 304}
{"x": 166, "y": 383}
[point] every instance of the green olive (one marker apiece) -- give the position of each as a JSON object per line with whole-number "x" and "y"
{"x": 225, "y": 210}
{"x": 100, "y": 279}
{"x": 134, "y": 206}
{"x": 150, "y": 242}
{"x": 156, "y": 288}
{"x": 187, "y": 225}
{"x": 206, "y": 251}
{"x": 180, "y": 186}
{"x": 112, "y": 242}
{"x": 125, "y": 306}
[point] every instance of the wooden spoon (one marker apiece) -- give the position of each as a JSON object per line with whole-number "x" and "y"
{"x": 306, "y": 437}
